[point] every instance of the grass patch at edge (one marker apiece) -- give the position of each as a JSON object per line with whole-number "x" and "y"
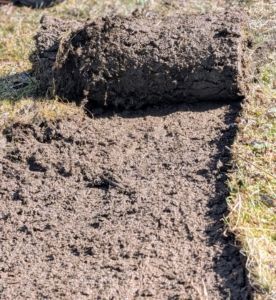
{"x": 252, "y": 200}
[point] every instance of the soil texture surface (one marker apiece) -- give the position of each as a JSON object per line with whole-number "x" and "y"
{"x": 125, "y": 205}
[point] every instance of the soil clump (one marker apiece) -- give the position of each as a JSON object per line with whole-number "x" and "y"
{"x": 119, "y": 206}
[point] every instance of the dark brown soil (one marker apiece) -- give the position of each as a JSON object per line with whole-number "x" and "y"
{"x": 135, "y": 61}
{"x": 120, "y": 206}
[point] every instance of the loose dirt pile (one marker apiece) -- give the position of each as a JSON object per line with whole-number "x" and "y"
{"x": 122, "y": 206}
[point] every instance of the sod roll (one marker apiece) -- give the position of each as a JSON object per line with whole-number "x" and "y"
{"x": 134, "y": 61}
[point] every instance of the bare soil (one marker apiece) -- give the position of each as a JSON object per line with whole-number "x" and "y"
{"x": 124, "y": 205}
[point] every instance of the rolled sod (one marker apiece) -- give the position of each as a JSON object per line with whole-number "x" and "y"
{"x": 134, "y": 61}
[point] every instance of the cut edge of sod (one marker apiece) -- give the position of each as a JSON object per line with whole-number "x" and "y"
{"x": 252, "y": 187}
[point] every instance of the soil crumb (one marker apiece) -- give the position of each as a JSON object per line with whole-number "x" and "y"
{"x": 125, "y": 205}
